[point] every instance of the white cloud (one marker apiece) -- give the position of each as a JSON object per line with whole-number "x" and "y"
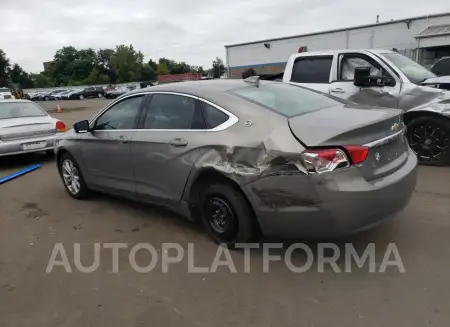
{"x": 194, "y": 31}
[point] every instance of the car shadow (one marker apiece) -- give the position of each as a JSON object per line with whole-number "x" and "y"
{"x": 9, "y": 164}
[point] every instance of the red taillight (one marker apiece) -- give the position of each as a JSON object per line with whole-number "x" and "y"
{"x": 357, "y": 153}
{"x": 322, "y": 161}
{"x": 60, "y": 127}
{"x": 326, "y": 160}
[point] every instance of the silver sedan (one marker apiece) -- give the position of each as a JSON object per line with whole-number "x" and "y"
{"x": 25, "y": 127}
{"x": 246, "y": 156}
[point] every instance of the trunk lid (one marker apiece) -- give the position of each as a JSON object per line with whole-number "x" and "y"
{"x": 380, "y": 129}
{"x": 26, "y": 127}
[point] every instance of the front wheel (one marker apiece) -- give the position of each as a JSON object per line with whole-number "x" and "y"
{"x": 46, "y": 98}
{"x": 100, "y": 95}
{"x": 226, "y": 214}
{"x": 429, "y": 139}
{"x": 72, "y": 178}
{"x": 81, "y": 96}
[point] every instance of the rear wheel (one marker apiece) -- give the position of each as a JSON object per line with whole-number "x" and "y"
{"x": 226, "y": 214}
{"x": 81, "y": 96}
{"x": 46, "y": 98}
{"x": 99, "y": 95}
{"x": 429, "y": 138}
{"x": 72, "y": 178}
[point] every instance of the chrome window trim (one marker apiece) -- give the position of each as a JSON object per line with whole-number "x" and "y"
{"x": 384, "y": 140}
{"x": 232, "y": 119}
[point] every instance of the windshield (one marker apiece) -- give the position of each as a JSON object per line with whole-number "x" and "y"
{"x": 19, "y": 109}
{"x": 285, "y": 99}
{"x": 413, "y": 71}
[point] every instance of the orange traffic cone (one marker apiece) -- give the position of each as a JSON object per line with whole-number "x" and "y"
{"x": 58, "y": 108}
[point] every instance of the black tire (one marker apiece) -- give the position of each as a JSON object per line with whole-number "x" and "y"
{"x": 240, "y": 223}
{"x": 429, "y": 138}
{"x": 83, "y": 191}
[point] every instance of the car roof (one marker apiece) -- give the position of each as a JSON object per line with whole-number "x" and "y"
{"x": 198, "y": 87}
{"x": 330, "y": 52}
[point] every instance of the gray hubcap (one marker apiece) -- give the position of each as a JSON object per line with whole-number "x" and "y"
{"x": 70, "y": 176}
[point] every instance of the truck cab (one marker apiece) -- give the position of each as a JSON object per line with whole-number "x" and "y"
{"x": 383, "y": 78}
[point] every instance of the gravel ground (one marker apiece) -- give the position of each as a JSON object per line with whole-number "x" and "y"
{"x": 36, "y": 213}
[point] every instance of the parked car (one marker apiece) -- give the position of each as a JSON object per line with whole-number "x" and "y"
{"x": 55, "y": 95}
{"x": 5, "y": 93}
{"x": 25, "y": 127}
{"x": 116, "y": 92}
{"x": 387, "y": 79}
{"x": 442, "y": 68}
{"x": 243, "y": 156}
{"x": 88, "y": 92}
{"x": 62, "y": 95}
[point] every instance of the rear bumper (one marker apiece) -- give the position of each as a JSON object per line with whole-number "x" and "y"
{"x": 329, "y": 205}
{"x": 8, "y": 148}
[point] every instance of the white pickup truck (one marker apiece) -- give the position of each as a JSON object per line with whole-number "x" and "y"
{"x": 387, "y": 79}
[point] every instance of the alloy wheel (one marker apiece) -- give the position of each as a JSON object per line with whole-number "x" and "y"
{"x": 70, "y": 176}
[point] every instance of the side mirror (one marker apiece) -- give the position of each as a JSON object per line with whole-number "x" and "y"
{"x": 81, "y": 126}
{"x": 363, "y": 78}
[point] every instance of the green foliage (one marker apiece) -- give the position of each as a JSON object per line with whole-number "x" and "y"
{"x": 4, "y": 69}
{"x": 218, "y": 68}
{"x": 72, "y": 67}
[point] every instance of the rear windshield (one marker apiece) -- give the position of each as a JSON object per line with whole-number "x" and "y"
{"x": 4, "y": 90}
{"x": 19, "y": 109}
{"x": 285, "y": 99}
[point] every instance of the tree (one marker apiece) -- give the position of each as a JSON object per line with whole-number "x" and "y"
{"x": 218, "y": 68}
{"x": 162, "y": 69}
{"x": 41, "y": 80}
{"x": 4, "y": 69}
{"x": 153, "y": 64}
{"x": 103, "y": 64}
{"x": 147, "y": 73}
{"x": 20, "y": 77}
{"x": 127, "y": 63}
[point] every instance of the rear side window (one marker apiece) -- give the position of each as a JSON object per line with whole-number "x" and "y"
{"x": 169, "y": 111}
{"x": 312, "y": 69}
{"x": 285, "y": 99}
{"x": 213, "y": 116}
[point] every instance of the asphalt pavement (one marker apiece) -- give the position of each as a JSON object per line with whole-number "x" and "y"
{"x": 36, "y": 213}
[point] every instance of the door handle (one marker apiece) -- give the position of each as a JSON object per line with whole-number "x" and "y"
{"x": 338, "y": 90}
{"x": 178, "y": 142}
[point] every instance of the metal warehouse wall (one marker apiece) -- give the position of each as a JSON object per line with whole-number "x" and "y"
{"x": 386, "y": 35}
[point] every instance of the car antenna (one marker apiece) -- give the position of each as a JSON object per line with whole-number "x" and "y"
{"x": 254, "y": 80}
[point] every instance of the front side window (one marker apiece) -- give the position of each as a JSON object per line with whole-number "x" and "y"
{"x": 122, "y": 115}
{"x": 285, "y": 99}
{"x": 312, "y": 69}
{"x": 170, "y": 111}
{"x": 348, "y": 64}
{"x": 19, "y": 110}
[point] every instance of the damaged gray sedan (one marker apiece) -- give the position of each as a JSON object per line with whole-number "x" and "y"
{"x": 246, "y": 157}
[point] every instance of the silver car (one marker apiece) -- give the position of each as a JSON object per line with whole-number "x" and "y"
{"x": 246, "y": 157}
{"x": 25, "y": 127}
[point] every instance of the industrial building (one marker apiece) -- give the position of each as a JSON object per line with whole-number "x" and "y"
{"x": 425, "y": 39}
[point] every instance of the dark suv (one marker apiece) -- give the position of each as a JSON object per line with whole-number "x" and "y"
{"x": 89, "y": 92}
